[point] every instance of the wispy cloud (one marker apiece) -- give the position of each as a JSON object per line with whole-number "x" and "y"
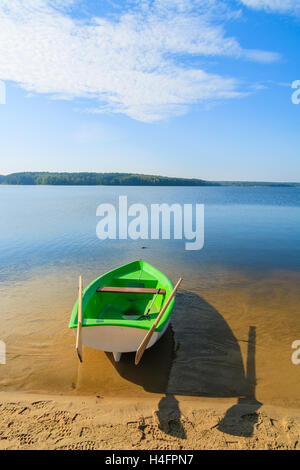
{"x": 279, "y": 6}
{"x": 134, "y": 63}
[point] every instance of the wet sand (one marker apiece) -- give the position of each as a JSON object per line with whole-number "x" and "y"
{"x": 222, "y": 369}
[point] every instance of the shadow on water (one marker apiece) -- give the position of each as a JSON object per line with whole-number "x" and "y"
{"x": 198, "y": 356}
{"x": 152, "y": 373}
{"x": 241, "y": 418}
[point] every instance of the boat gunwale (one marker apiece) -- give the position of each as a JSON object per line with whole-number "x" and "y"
{"x": 145, "y": 325}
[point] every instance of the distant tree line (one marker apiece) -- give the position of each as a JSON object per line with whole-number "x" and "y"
{"x": 89, "y": 179}
{"x": 119, "y": 179}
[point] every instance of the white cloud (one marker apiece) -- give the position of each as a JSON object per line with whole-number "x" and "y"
{"x": 280, "y": 6}
{"x": 135, "y": 64}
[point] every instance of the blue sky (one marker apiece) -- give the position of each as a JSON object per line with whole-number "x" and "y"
{"x": 193, "y": 88}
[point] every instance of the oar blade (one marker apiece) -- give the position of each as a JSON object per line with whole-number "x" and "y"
{"x": 79, "y": 322}
{"x": 141, "y": 349}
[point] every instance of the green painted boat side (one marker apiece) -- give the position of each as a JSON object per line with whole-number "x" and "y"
{"x": 103, "y": 308}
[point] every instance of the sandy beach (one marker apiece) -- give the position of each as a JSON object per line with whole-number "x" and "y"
{"x": 55, "y": 422}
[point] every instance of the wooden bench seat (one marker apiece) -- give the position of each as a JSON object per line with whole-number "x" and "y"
{"x": 131, "y": 290}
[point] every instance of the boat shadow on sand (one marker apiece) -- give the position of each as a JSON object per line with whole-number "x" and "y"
{"x": 198, "y": 357}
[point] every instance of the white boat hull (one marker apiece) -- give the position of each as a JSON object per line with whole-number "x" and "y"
{"x": 116, "y": 339}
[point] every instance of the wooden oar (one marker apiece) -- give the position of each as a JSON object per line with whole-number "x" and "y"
{"x": 141, "y": 349}
{"x": 79, "y": 321}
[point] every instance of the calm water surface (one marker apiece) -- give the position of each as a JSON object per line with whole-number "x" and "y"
{"x": 235, "y": 319}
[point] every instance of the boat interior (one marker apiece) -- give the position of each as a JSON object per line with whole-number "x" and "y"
{"x": 130, "y": 308}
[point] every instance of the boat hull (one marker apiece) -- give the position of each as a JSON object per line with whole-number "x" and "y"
{"x": 121, "y": 306}
{"x": 115, "y": 339}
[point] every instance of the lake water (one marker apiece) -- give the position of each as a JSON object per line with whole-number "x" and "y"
{"x": 236, "y": 316}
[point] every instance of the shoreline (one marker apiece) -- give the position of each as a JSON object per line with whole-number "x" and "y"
{"x": 44, "y": 421}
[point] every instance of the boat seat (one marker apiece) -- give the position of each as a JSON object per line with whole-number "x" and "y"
{"x": 131, "y": 290}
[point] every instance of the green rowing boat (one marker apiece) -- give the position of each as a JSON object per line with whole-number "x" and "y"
{"x": 120, "y": 305}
